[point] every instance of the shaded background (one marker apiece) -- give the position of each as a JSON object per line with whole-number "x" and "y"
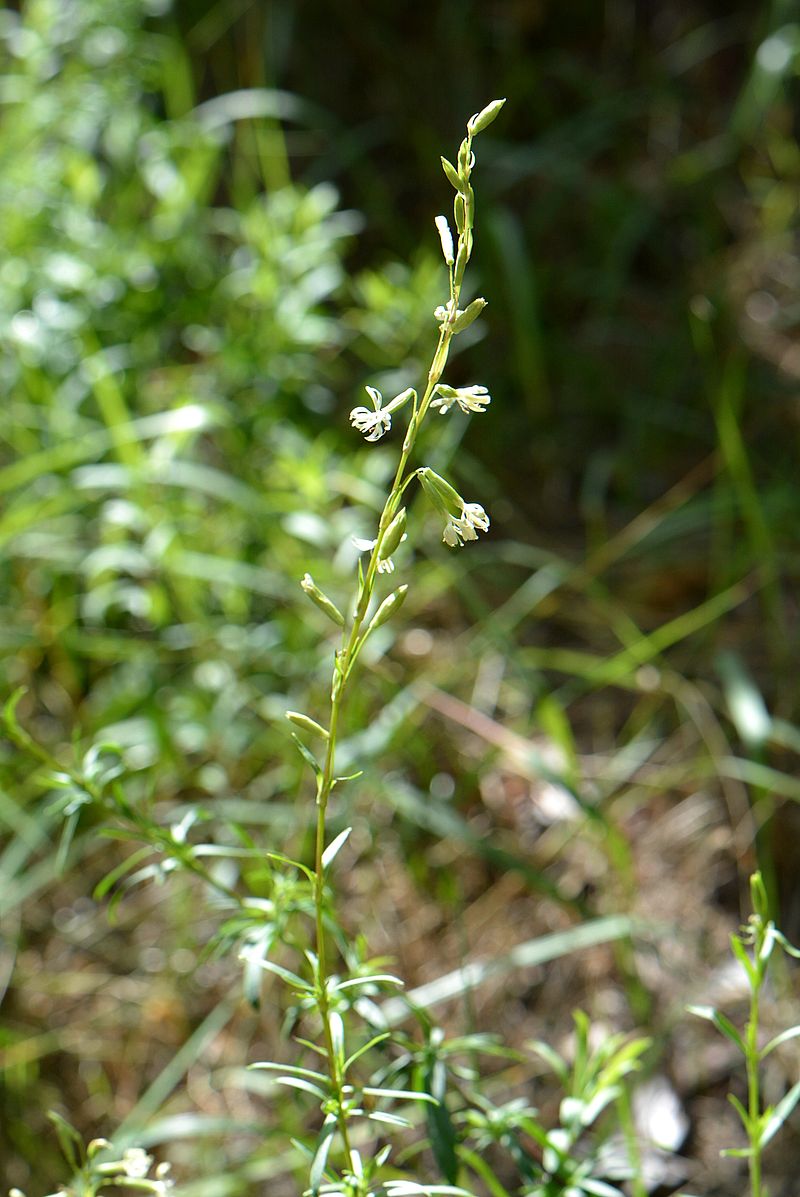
{"x": 217, "y": 225}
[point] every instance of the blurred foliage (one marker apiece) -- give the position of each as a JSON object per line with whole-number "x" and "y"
{"x": 195, "y": 207}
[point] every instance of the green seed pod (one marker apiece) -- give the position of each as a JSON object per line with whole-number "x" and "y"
{"x": 478, "y": 122}
{"x": 470, "y": 313}
{"x": 466, "y": 161}
{"x": 321, "y": 600}
{"x": 460, "y": 213}
{"x": 393, "y": 535}
{"x": 390, "y": 604}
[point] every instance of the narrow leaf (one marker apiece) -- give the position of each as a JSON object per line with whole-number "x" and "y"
{"x": 285, "y": 975}
{"x": 307, "y": 755}
{"x": 333, "y": 847}
{"x": 324, "y": 1141}
{"x": 779, "y": 1115}
{"x": 296, "y": 1082}
{"x": 784, "y": 1037}
{"x": 722, "y": 1023}
{"x": 400, "y": 1094}
{"x": 391, "y": 1119}
{"x": 69, "y": 1140}
{"x": 289, "y": 1070}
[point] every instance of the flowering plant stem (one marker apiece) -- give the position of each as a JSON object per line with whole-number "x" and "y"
{"x": 354, "y": 634}
{"x": 753, "y": 947}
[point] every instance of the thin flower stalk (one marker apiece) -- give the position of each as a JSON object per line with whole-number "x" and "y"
{"x": 466, "y": 519}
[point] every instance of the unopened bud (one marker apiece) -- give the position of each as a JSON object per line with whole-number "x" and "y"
{"x": 321, "y": 600}
{"x": 470, "y": 313}
{"x": 452, "y": 174}
{"x": 390, "y": 604}
{"x": 393, "y": 535}
{"x": 444, "y": 497}
{"x": 478, "y": 122}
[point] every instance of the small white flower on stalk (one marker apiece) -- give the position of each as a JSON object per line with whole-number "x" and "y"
{"x": 378, "y": 421}
{"x": 136, "y": 1163}
{"x": 469, "y": 399}
{"x": 446, "y": 238}
{"x": 458, "y": 530}
{"x": 464, "y": 520}
{"x": 444, "y": 312}
{"x": 386, "y": 565}
{"x": 457, "y": 319}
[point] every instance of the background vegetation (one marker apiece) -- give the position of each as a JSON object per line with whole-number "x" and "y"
{"x": 216, "y": 223}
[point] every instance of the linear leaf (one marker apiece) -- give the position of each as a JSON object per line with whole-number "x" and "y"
{"x": 784, "y": 1037}
{"x": 779, "y": 1115}
{"x": 333, "y": 847}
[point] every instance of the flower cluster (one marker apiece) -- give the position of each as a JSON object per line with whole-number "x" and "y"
{"x": 459, "y": 529}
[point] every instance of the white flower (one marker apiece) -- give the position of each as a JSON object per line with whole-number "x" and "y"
{"x": 366, "y": 546}
{"x": 452, "y": 534}
{"x": 459, "y": 529}
{"x": 474, "y": 398}
{"x": 476, "y": 517}
{"x": 446, "y": 238}
{"x": 378, "y": 421}
{"x": 136, "y": 1163}
{"x": 372, "y": 423}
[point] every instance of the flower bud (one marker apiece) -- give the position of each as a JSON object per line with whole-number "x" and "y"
{"x": 444, "y": 498}
{"x": 464, "y": 250}
{"x": 452, "y": 174}
{"x": 321, "y": 600}
{"x": 393, "y": 535}
{"x": 469, "y": 200}
{"x": 390, "y": 604}
{"x": 480, "y": 121}
{"x": 470, "y": 313}
{"x": 401, "y": 399}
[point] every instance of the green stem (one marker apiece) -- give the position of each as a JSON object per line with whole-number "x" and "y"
{"x": 638, "y": 1188}
{"x": 753, "y": 1088}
